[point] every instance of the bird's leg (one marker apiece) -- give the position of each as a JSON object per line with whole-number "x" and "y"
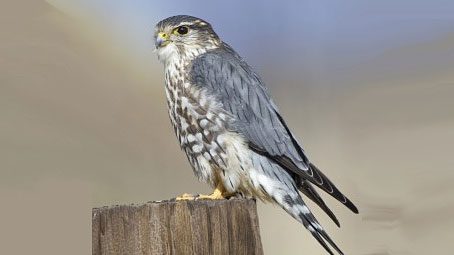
{"x": 186, "y": 196}
{"x": 218, "y": 193}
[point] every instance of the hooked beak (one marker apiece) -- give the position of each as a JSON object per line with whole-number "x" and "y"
{"x": 162, "y": 39}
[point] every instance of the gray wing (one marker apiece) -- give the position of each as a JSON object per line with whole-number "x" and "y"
{"x": 242, "y": 94}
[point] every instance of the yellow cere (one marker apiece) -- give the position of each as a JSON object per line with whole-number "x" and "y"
{"x": 163, "y": 35}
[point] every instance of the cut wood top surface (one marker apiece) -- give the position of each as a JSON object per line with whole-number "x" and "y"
{"x": 178, "y": 227}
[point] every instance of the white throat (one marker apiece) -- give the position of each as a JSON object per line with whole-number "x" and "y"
{"x": 168, "y": 54}
{"x": 171, "y": 54}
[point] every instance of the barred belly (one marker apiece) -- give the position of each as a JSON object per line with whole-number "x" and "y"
{"x": 201, "y": 126}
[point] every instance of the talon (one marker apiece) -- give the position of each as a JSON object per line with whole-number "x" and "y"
{"x": 216, "y": 195}
{"x": 186, "y": 197}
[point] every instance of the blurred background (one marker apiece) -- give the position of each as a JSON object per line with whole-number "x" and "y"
{"x": 367, "y": 86}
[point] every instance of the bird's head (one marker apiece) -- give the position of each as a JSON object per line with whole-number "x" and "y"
{"x": 184, "y": 36}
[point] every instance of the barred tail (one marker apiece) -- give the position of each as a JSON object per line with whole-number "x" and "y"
{"x": 294, "y": 205}
{"x": 274, "y": 182}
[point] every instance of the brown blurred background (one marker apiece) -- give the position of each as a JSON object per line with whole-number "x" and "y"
{"x": 83, "y": 123}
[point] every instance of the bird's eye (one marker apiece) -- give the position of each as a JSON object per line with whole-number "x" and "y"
{"x": 182, "y": 30}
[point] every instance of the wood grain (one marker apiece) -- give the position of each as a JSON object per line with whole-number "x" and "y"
{"x": 184, "y": 227}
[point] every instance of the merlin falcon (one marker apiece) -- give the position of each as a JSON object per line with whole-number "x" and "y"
{"x": 231, "y": 130}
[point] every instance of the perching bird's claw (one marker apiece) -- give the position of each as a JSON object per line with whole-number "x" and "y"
{"x": 216, "y": 195}
{"x": 186, "y": 197}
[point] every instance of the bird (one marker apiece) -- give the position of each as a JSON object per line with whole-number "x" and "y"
{"x": 231, "y": 130}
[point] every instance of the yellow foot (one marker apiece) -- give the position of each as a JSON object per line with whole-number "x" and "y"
{"x": 185, "y": 196}
{"x": 217, "y": 194}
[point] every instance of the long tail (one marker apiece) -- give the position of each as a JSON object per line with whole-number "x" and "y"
{"x": 274, "y": 182}
{"x": 290, "y": 200}
{"x": 294, "y": 205}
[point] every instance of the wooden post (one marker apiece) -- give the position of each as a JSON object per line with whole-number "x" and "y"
{"x": 184, "y": 227}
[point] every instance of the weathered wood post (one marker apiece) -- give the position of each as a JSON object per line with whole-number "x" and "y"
{"x": 184, "y": 227}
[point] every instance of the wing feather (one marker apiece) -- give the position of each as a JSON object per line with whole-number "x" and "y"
{"x": 307, "y": 189}
{"x": 243, "y": 95}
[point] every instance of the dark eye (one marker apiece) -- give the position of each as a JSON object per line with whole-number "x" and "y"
{"x": 182, "y": 30}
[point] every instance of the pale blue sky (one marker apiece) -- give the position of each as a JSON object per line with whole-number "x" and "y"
{"x": 318, "y": 36}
